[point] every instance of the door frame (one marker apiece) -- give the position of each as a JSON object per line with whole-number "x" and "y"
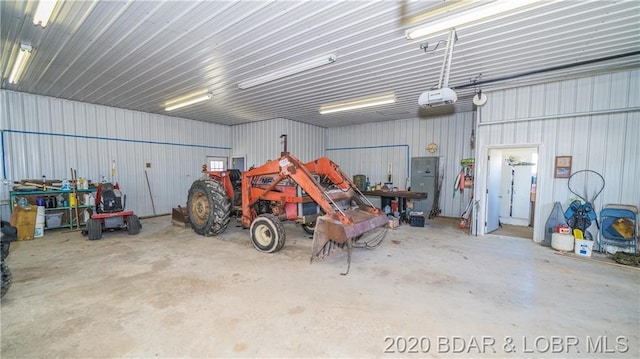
{"x": 480, "y": 190}
{"x": 244, "y": 159}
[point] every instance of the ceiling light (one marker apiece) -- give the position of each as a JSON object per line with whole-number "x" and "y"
{"x": 43, "y": 12}
{"x": 20, "y": 64}
{"x": 447, "y": 6}
{"x": 288, "y": 71}
{"x": 187, "y": 100}
{"x": 358, "y": 103}
{"x": 466, "y": 17}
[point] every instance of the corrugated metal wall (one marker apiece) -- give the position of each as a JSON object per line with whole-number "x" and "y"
{"x": 260, "y": 141}
{"x": 49, "y": 136}
{"x": 594, "y": 119}
{"x": 369, "y": 149}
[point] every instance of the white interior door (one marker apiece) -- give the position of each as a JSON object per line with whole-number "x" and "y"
{"x": 521, "y": 193}
{"x": 505, "y": 192}
{"x": 494, "y": 178}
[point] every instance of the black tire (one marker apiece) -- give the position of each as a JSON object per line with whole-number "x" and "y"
{"x": 9, "y": 234}
{"x": 267, "y": 233}
{"x": 133, "y": 224}
{"x": 94, "y": 229}
{"x": 5, "y": 249}
{"x": 6, "y": 279}
{"x": 309, "y": 227}
{"x": 208, "y": 207}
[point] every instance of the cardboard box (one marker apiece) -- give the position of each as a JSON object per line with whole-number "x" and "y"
{"x": 24, "y": 219}
{"x": 393, "y": 223}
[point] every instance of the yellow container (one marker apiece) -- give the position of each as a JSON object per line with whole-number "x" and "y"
{"x": 72, "y": 200}
{"x": 577, "y": 234}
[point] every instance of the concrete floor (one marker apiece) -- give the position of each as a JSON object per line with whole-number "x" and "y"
{"x": 425, "y": 292}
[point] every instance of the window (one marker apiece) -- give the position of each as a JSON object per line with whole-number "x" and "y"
{"x": 216, "y": 163}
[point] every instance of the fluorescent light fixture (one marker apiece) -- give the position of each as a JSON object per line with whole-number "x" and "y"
{"x": 20, "y": 64}
{"x": 358, "y": 103}
{"x": 449, "y": 5}
{"x": 288, "y": 71}
{"x": 43, "y": 12}
{"x": 187, "y": 100}
{"x": 466, "y": 17}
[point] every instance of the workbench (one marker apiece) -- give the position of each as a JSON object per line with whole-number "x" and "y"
{"x": 402, "y": 197}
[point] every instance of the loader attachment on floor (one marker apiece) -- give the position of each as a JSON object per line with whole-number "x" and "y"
{"x": 331, "y": 232}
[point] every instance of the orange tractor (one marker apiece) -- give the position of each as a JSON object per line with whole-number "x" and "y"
{"x": 317, "y": 194}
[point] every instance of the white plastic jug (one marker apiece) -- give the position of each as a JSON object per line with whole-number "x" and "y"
{"x": 89, "y": 200}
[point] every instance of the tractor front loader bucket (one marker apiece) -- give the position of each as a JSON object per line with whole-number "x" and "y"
{"x": 330, "y": 232}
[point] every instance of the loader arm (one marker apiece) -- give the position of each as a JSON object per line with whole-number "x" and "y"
{"x": 338, "y": 224}
{"x": 287, "y": 166}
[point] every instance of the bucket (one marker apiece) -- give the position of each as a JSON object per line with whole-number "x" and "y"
{"x": 40, "y": 214}
{"x": 583, "y": 247}
{"x": 39, "y": 227}
{"x": 38, "y": 231}
{"x": 359, "y": 181}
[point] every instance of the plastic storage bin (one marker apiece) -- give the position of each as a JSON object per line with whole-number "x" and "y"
{"x": 416, "y": 221}
{"x": 53, "y": 220}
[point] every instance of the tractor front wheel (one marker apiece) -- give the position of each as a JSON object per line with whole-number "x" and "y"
{"x": 267, "y": 233}
{"x": 208, "y": 207}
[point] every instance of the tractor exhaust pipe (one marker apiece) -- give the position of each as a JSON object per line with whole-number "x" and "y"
{"x": 285, "y": 152}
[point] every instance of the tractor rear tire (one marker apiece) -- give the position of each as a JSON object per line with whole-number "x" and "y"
{"x": 133, "y": 224}
{"x": 267, "y": 233}
{"x": 208, "y": 207}
{"x": 94, "y": 229}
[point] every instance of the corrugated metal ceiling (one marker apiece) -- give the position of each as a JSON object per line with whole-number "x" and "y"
{"x": 139, "y": 54}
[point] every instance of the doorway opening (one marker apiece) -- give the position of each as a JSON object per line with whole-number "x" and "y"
{"x": 511, "y": 191}
{"x": 238, "y": 163}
